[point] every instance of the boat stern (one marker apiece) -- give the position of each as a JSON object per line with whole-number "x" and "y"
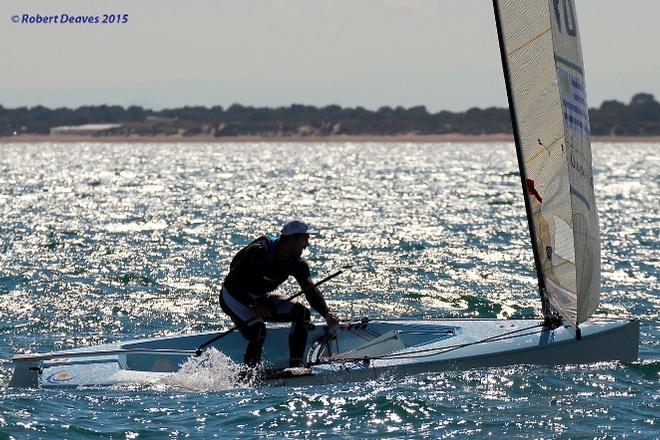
{"x": 26, "y": 372}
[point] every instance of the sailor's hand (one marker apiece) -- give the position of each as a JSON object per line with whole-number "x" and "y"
{"x": 260, "y": 311}
{"x": 331, "y": 319}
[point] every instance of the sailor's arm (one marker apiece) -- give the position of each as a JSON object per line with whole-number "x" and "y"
{"x": 316, "y": 301}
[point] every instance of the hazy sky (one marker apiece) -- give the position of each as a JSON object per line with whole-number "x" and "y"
{"x": 439, "y": 53}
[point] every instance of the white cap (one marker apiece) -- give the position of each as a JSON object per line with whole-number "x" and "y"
{"x": 296, "y": 227}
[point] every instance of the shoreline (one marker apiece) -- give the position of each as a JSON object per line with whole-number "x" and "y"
{"x": 412, "y": 138}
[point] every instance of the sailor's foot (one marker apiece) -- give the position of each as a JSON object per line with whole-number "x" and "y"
{"x": 296, "y": 362}
{"x": 286, "y": 373}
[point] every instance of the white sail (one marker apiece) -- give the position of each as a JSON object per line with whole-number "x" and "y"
{"x": 543, "y": 57}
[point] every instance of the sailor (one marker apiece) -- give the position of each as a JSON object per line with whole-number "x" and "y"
{"x": 256, "y": 271}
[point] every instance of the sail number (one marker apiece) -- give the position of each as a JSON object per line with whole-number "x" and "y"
{"x": 568, "y": 12}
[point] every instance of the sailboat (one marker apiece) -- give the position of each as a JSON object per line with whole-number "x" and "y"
{"x": 544, "y": 74}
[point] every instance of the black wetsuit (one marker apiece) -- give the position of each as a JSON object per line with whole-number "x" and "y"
{"x": 255, "y": 272}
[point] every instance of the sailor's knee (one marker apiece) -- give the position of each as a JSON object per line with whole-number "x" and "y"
{"x": 256, "y": 332}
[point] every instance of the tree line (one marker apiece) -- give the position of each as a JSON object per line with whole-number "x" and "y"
{"x": 640, "y": 117}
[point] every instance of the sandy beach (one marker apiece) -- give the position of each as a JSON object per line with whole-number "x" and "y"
{"x": 453, "y": 138}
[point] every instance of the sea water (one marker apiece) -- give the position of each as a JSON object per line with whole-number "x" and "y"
{"x": 107, "y": 242}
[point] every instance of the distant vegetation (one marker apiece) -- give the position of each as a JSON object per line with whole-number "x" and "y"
{"x": 641, "y": 117}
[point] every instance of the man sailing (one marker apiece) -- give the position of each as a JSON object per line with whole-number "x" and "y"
{"x": 258, "y": 269}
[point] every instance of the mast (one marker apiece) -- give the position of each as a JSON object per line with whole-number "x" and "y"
{"x": 545, "y": 307}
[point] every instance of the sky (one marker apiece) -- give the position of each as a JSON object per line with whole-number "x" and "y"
{"x": 442, "y": 54}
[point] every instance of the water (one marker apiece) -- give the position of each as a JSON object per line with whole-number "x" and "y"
{"x": 105, "y": 242}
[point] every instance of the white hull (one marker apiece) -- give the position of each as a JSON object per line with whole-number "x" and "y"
{"x": 362, "y": 352}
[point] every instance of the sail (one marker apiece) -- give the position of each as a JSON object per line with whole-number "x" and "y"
{"x": 543, "y": 65}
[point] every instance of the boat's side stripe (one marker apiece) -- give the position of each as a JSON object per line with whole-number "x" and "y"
{"x": 91, "y": 361}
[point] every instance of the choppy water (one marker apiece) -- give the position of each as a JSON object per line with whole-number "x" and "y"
{"x": 109, "y": 242}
